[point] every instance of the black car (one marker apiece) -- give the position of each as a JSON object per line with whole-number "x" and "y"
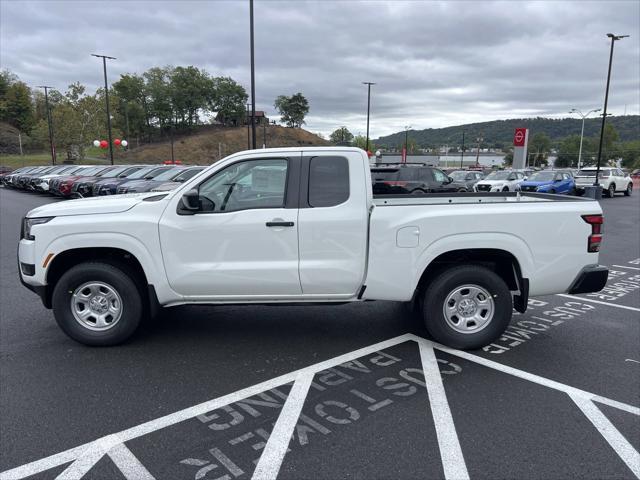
{"x": 84, "y": 186}
{"x": 407, "y": 179}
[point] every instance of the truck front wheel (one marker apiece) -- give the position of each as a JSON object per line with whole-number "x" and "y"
{"x": 467, "y": 307}
{"x": 97, "y": 304}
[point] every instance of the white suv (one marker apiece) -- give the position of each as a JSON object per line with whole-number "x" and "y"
{"x": 612, "y": 180}
{"x": 500, "y": 181}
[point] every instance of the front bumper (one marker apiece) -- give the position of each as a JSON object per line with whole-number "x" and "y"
{"x": 591, "y": 278}
{"x": 26, "y": 263}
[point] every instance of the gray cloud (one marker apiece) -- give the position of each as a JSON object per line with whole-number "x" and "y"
{"x": 435, "y": 63}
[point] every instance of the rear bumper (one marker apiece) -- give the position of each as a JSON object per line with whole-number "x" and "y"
{"x": 592, "y": 278}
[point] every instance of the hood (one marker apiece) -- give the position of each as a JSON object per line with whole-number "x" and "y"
{"x": 536, "y": 184}
{"x": 90, "y": 206}
{"x": 167, "y": 186}
{"x": 493, "y": 182}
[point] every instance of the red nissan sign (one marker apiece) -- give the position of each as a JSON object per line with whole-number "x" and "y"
{"x": 520, "y": 137}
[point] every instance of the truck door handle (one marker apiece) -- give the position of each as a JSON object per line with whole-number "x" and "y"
{"x": 279, "y": 224}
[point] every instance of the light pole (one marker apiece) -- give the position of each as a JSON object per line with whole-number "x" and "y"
{"x": 248, "y": 129}
{"x": 406, "y": 142}
{"x": 46, "y": 102}
{"x": 462, "y": 155}
{"x": 368, "y": 84}
{"x": 606, "y": 99}
{"x": 575, "y": 110}
{"x": 106, "y": 96}
{"x": 253, "y": 80}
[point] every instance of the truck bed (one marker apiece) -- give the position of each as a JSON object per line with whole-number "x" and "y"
{"x": 472, "y": 197}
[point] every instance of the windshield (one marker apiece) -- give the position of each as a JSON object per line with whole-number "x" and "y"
{"x": 168, "y": 175}
{"x": 184, "y": 176}
{"x": 498, "y": 176}
{"x": 542, "y": 177}
{"x": 141, "y": 173}
{"x": 114, "y": 172}
{"x": 591, "y": 173}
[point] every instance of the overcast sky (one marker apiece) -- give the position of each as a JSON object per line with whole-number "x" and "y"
{"x": 436, "y": 64}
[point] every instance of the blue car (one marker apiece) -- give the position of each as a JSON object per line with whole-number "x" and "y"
{"x": 550, "y": 181}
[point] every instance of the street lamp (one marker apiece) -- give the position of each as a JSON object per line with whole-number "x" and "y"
{"x": 106, "y": 96}
{"x": 253, "y": 79}
{"x": 46, "y": 102}
{"x": 368, "y": 84}
{"x": 406, "y": 142}
{"x": 462, "y": 155}
{"x": 606, "y": 99}
{"x": 575, "y": 110}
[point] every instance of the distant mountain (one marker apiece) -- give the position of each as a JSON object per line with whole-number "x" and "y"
{"x": 499, "y": 133}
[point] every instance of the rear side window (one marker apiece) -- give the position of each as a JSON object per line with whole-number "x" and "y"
{"x": 328, "y": 181}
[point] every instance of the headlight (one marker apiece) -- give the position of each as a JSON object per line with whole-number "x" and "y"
{"x": 28, "y": 223}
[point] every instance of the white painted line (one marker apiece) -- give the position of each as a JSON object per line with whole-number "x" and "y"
{"x": 181, "y": 415}
{"x": 623, "y": 266}
{"x": 631, "y": 360}
{"x": 128, "y": 464}
{"x": 453, "y": 462}
{"x": 278, "y": 443}
{"x": 538, "y": 379}
{"x": 621, "y": 445}
{"x": 91, "y": 455}
{"x": 575, "y": 297}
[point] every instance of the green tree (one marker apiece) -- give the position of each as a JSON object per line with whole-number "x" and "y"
{"x": 360, "y": 141}
{"x": 16, "y": 105}
{"x": 292, "y": 109}
{"x": 609, "y": 151}
{"x": 132, "y": 106}
{"x": 538, "y": 149}
{"x": 508, "y": 158}
{"x": 228, "y": 99}
{"x": 630, "y": 154}
{"x": 157, "y": 81}
{"x": 189, "y": 89}
{"x": 341, "y": 135}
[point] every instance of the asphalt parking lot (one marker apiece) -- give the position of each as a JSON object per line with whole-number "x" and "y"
{"x": 317, "y": 392}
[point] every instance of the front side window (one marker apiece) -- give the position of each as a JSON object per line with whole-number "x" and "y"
{"x": 245, "y": 185}
{"x": 439, "y": 176}
{"x": 328, "y": 181}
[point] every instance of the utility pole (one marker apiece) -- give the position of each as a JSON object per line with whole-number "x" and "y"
{"x": 248, "y": 128}
{"x": 46, "y": 102}
{"x": 106, "y": 96}
{"x": 264, "y": 134}
{"x": 462, "y": 155}
{"x": 606, "y": 99}
{"x": 253, "y": 80}
{"x": 368, "y": 84}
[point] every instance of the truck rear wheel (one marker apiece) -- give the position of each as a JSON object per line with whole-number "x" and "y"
{"x": 467, "y": 307}
{"x": 97, "y": 304}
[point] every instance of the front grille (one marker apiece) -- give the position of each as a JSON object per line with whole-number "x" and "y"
{"x": 483, "y": 188}
{"x": 122, "y": 190}
{"x": 528, "y": 189}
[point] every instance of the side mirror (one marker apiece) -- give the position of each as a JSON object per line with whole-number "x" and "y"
{"x": 448, "y": 181}
{"x": 191, "y": 200}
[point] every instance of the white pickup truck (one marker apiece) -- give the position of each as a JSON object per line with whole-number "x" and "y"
{"x": 301, "y": 225}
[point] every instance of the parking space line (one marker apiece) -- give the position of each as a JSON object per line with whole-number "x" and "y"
{"x": 89, "y": 456}
{"x": 128, "y": 464}
{"x": 621, "y": 445}
{"x": 278, "y": 443}
{"x": 574, "y": 297}
{"x": 538, "y": 379}
{"x": 624, "y": 266}
{"x": 451, "y": 455}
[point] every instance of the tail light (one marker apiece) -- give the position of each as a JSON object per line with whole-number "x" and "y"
{"x": 595, "y": 239}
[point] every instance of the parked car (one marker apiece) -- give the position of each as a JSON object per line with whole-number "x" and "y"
{"x": 249, "y": 230}
{"x": 22, "y": 179}
{"x": 179, "y": 180}
{"x": 109, "y": 186}
{"x": 8, "y": 179}
{"x": 550, "y": 181}
{"x": 412, "y": 180}
{"x": 132, "y": 183}
{"x": 500, "y": 181}
{"x": 146, "y": 184}
{"x": 30, "y": 180}
{"x": 4, "y": 170}
{"x": 612, "y": 180}
{"x": 83, "y": 187}
{"x": 61, "y": 186}
{"x": 469, "y": 178}
{"x": 41, "y": 183}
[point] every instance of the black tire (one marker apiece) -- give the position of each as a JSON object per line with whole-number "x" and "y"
{"x": 629, "y": 190}
{"x": 611, "y": 191}
{"x": 552, "y": 191}
{"x": 463, "y": 190}
{"x": 573, "y": 192}
{"x": 417, "y": 191}
{"x": 452, "y": 279}
{"x": 116, "y": 277}
{"x": 505, "y": 189}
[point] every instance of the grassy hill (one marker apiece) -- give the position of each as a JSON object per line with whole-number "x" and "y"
{"x": 500, "y": 132}
{"x": 210, "y": 146}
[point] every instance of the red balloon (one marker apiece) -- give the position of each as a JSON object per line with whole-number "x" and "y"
{"x": 116, "y": 141}
{"x": 104, "y": 144}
